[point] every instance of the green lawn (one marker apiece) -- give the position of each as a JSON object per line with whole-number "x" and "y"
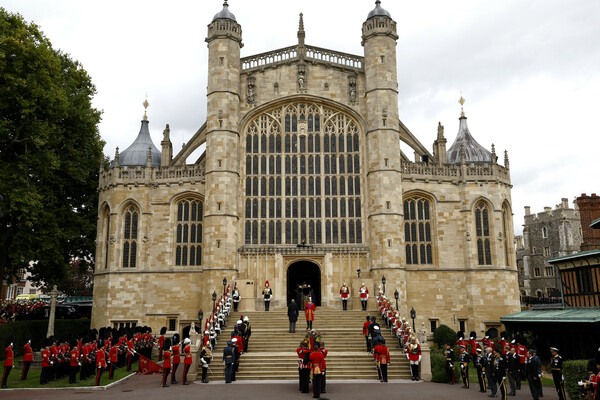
{"x": 33, "y": 379}
{"x": 473, "y": 379}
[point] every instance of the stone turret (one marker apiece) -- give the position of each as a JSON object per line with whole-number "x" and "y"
{"x": 137, "y": 153}
{"x": 222, "y": 142}
{"x": 474, "y": 152}
{"x": 439, "y": 146}
{"x": 167, "y": 148}
{"x": 382, "y": 135}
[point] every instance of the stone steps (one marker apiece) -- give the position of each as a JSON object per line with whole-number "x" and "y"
{"x": 272, "y": 352}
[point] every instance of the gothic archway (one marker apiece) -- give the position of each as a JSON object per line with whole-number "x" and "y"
{"x": 302, "y": 272}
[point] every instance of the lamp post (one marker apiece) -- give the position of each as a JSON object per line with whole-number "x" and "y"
{"x": 413, "y": 315}
{"x": 224, "y": 285}
{"x": 383, "y": 280}
{"x": 201, "y": 317}
{"x": 214, "y": 297}
{"x": 396, "y": 296}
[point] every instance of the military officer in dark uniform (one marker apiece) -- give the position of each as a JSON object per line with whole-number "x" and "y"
{"x": 228, "y": 360}
{"x": 489, "y": 367}
{"x": 513, "y": 364}
{"x": 463, "y": 358}
{"x": 480, "y": 366}
{"x": 499, "y": 374}
{"x": 534, "y": 374}
{"x": 557, "y": 374}
{"x": 450, "y": 364}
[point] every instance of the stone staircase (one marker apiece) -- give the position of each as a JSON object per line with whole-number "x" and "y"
{"x": 272, "y": 350}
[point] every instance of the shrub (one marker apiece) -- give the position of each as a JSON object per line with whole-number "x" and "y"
{"x": 574, "y": 371}
{"x": 443, "y": 334}
{"x": 37, "y": 330}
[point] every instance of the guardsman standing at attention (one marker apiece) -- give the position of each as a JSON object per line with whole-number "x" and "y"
{"x": 382, "y": 357}
{"x": 46, "y": 363}
{"x": 9, "y": 357}
{"x": 463, "y": 358}
{"x": 167, "y": 361}
{"x": 479, "y": 365}
{"x": 414, "y": 357}
{"x": 366, "y": 332}
{"x": 100, "y": 364}
{"x": 345, "y": 295}
{"x": 450, "y": 364}
{"x": 317, "y": 359}
{"x": 187, "y": 359}
{"x": 309, "y": 310}
{"x": 534, "y": 374}
{"x": 557, "y": 375}
{"x": 73, "y": 363}
{"x": 236, "y": 297}
{"x": 504, "y": 344}
{"x": 113, "y": 356}
{"x": 474, "y": 345}
{"x": 363, "y": 293}
{"x": 205, "y": 358}
{"x": 175, "y": 357}
{"x": 27, "y": 358}
{"x": 267, "y": 294}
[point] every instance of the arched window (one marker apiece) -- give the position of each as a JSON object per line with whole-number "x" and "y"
{"x": 417, "y": 231}
{"x": 188, "y": 232}
{"x": 300, "y": 186}
{"x": 106, "y": 235}
{"x": 130, "y": 237}
{"x": 505, "y": 234}
{"x": 482, "y": 232}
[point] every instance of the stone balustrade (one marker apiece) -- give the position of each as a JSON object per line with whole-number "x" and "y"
{"x": 450, "y": 172}
{"x": 139, "y": 175}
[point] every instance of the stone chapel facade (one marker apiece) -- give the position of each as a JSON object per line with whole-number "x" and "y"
{"x": 305, "y": 179}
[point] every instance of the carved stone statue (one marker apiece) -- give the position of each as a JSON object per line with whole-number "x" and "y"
{"x": 352, "y": 92}
{"x": 301, "y": 80}
{"x": 250, "y": 96}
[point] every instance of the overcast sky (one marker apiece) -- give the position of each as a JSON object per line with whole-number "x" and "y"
{"x": 529, "y": 71}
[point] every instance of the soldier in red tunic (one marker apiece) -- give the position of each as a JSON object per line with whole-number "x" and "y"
{"x": 176, "y": 357}
{"x": 161, "y": 341}
{"x": 504, "y": 343}
{"x": 46, "y": 364}
{"x": 303, "y": 367}
{"x": 382, "y": 358}
{"x": 309, "y": 310}
{"x": 73, "y": 363}
{"x": 474, "y": 345}
{"x": 113, "y": 357}
{"x": 365, "y": 330}
{"x": 345, "y": 295}
{"x": 317, "y": 361}
{"x": 363, "y": 293}
{"x": 27, "y": 359}
{"x": 100, "y": 364}
{"x": 167, "y": 361}
{"x": 414, "y": 356}
{"x": 9, "y": 357}
{"x": 187, "y": 359}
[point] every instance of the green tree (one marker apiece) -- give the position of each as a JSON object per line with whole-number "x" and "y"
{"x": 444, "y": 334}
{"x": 50, "y": 155}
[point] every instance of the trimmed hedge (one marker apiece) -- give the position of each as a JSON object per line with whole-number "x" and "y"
{"x": 438, "y": 365}
{"x": 444, "y": 334}
{"x": 37, "y": 330}
{"x": 574, "y": 371}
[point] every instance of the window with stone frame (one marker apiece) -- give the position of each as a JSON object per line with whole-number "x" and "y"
{"x": 302, "y": 182}
{"x": 549, "y": 271}
{"x": 544, "y": 232}
{"x": 482, "y": 233}
{"x": 130, "y": 236}
{"x": 537, "y": 272}
{"x": 188, "y": 232}
{"x": 505, "y": 230}
{"x": 417, "y": 231}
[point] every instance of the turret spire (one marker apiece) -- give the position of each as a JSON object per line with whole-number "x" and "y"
{"x": 146, "y": 104}
{"x": 462, "y": 102}
{"x": 301, "y": 35}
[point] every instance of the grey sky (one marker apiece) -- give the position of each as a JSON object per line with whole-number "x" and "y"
{"x": 529, "y": 71}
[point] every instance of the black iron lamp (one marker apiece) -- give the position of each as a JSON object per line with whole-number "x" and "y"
{"x": 413, "y": 315}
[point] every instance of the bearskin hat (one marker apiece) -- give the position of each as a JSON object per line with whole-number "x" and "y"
{"x": 503, "y": 335}
{"x": 166, "y": 344}
{"x": 460, "y": 335}
{"x": 473, "y": 335}
{"x": 176, "y": 338}
{"x": 163, "y": 330}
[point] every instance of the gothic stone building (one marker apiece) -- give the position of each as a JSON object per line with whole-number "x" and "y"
{"x": 305, "y": 179}
{"x": 548, "y": 234}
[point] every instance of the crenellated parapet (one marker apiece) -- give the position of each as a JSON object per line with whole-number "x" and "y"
{"x": 316, "y": 55}
{"x": 151, "y": 176}
{"x": 473, "y": 172}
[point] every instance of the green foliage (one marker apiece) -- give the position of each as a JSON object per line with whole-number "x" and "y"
{"x": 50, "y": 155}
{"x": 574, "y": 371}
{"x": 444, "y": 334}
{"x": 19, "y": 330}
{"x": 438, "y": 368}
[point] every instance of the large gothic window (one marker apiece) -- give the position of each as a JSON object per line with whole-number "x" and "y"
{"x": 482, "y": 232}
{"x": 417, "y": 231}
{"x": 188, "y": 232}
{"x": 130, "y": 237}
{"x": 311, "y": 192}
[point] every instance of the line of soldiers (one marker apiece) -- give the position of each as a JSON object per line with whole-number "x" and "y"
{"x": 311, "y": 364}
{"x": 398, "y": 325}
{"x": 495, "y": 365}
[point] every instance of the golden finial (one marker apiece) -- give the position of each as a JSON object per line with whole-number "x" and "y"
{"x": 462, "y": 102}
{"x": 146, "y": 104}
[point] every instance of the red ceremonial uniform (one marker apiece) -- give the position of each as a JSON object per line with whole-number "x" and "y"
{"x": 114, "y": 354}
{"x": 239, "y": 343}
{"x": 504, "y": 343}
{"x": 176, "y": 354}
{"x": 187, "y": 354}
{"x": 46, "y": 358}
{"x": 345, "y": 292}
{"x": 9, "y": 357}
{"x": 363, "y": 292}
{"x": 166, "y": 359}
{"x": 366, "y": 328}
{"x": 381, "y": 354}
{"x": 100, "y": 359}
{"x": 414, "y": 354}
{"x": 474, "y": 346}
{"x": 74, "y": 358}
{"x": 309, "y": 310}
{"x": 27, "y": 352}
{"x": 522, "y": 352}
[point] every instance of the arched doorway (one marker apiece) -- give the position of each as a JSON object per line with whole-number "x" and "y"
{"x": 302, "y": 272}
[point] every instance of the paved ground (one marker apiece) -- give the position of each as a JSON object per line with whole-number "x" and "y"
{"x": 148, "y": 388}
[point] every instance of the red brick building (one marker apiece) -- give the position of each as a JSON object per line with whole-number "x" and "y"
{"x": 589, "y": 210}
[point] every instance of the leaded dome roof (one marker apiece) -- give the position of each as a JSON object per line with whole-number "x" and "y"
{"x": 378, "y": 11}
{"x": 224, "y": 13}
{"x": 474, "y": 152}
{"x": 137, "y": 153}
